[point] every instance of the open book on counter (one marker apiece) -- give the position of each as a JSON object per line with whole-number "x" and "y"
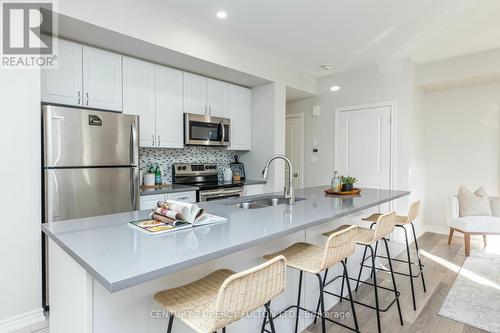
{"x": 173, "y": 215}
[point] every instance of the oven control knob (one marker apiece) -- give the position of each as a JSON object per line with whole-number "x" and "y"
{"x": 184, "y": 168}
{"x": 179, "y": 167}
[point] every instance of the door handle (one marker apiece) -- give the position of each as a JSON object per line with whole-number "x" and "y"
{"x": 133, "y": 138}
{"x": 133, "y": 183}
{"x": 295, "y": 175}
{"x": 223, "y": 133}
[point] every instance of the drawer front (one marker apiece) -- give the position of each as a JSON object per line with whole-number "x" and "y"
{"x": 182, "y": 196}
{"x": 254, "y": 189}
{"x": 149, "y": 201}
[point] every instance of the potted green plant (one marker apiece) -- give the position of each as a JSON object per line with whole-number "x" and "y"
{"x": 348, "y": 183}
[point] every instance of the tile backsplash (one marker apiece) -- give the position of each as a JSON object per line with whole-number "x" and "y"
{"x": 191, "y": 154}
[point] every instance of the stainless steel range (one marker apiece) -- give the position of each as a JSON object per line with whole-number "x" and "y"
{"x": 205, "y": 176}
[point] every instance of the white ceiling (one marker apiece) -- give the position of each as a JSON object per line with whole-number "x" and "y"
{"x": 345, "y": 33}
{"x": 293, "y": 94}
{"x": 476, "y": 30}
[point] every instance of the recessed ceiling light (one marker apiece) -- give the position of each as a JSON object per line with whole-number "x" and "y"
{"x": 334, "y": 88}
{"x": 326, "y": 67}
{"x": 221, "y": 14}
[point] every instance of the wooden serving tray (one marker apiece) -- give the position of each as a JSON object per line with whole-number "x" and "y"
{"x": 355, "y": 191}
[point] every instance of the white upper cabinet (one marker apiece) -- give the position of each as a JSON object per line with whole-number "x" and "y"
{"x": 205, "y": 96}
{"x": 139, "y": 97}
{"x": 216, "y": 98}
{"x": 169, "y": 107}
{"x": 195, "y": 94}
{"x": 63, "y": 85}
{"x": 239, "y": 108}
{"x": 102, "y": 79}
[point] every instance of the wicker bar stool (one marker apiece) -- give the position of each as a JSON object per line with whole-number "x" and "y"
{"x": 314, "y": 259}
{"x": 401, "y": 222}
{"x": 367, "y": 238}
{"x": 224, "y": 296}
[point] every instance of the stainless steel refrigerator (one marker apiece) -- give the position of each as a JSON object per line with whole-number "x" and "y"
{"x": 90, "y": 165}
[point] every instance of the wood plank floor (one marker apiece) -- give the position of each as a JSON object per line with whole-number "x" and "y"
{"x": 441, "y": 264}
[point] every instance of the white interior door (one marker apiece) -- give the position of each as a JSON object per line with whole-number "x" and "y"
{"x": 293, "y": 147}
{"x": 364, "y": 145}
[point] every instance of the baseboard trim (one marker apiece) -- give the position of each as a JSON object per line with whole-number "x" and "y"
{"x": 22, "y": 320}
{"x": 437, "y": 229}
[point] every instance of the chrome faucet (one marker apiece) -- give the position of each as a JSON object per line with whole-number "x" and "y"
{"x": 288, "y": 192}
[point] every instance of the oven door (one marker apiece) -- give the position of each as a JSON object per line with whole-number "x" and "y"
{"x": 206, "y": 130}
{"x": 220, "y": 194}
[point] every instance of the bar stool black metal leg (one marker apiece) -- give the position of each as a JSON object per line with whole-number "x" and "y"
{"x": 322, "y": 300}
{"x": 270, "y": 316}
{"x": 393, "y": 281}
{"x": 409, "y": 268}
{"x": 319, "y": 302}
{"x": 223, "y": 330}
{"x": 263, "y": 328}
{"x": 170, "y": 322}
{"x": 353, "y": 309}
{"x": 375, "y": 289}
{"x": 418, "y": 257}
{"x": 342, "y": 288}
{"x": 361, "y": 268}
{"x": 373, "y": 267}
{"x": 297, "y": 314}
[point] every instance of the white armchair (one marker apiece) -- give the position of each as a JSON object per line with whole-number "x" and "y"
{"x": 470, "y": 225}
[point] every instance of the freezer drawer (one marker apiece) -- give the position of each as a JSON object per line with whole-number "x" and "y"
{"x": 84, "y": 192}
{"x": 78, "y": 137}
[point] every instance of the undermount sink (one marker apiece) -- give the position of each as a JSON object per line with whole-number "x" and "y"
{"x": 264, "y": 202}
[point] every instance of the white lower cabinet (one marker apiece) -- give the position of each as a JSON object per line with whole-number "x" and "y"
{"x": 253, "y": 189}
{"x": 149, "y": 201}
{"x": 183, "y": 196}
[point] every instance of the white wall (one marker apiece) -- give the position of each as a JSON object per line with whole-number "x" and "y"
{"x": 20, "y": 200}
{"x": 369, "y": 85}
{"x": 460, "y": 71}
{"x": 363, "y": 86}
{"x": 268, "y": 134}
{"x": 462, "y": 144}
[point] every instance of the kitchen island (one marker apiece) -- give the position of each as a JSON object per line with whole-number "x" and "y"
{"x": 103, "y": 273}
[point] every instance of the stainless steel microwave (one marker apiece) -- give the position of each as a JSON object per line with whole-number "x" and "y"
{"x": 202, "y": 130}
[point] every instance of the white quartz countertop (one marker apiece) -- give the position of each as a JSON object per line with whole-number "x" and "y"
{"x": 119, "y": 256}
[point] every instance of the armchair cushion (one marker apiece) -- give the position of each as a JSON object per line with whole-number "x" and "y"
{"x": 472, "y": 204}
{"x": 477, "y": 224}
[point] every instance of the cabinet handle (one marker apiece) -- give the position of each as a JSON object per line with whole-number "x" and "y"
{"x": 79, "y": 97}
{"x": 153, "y": 136}
{"x": 210, "y": 110}
{"x": 205, "y": 108}
{"x": 182, "y": 198}
{"x": 159, "y": 142}
{"x": 87, "y": 96}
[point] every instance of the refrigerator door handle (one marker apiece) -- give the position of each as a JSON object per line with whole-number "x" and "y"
{"x": 133, "y": 186}
{"x": 133, "y": 145}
